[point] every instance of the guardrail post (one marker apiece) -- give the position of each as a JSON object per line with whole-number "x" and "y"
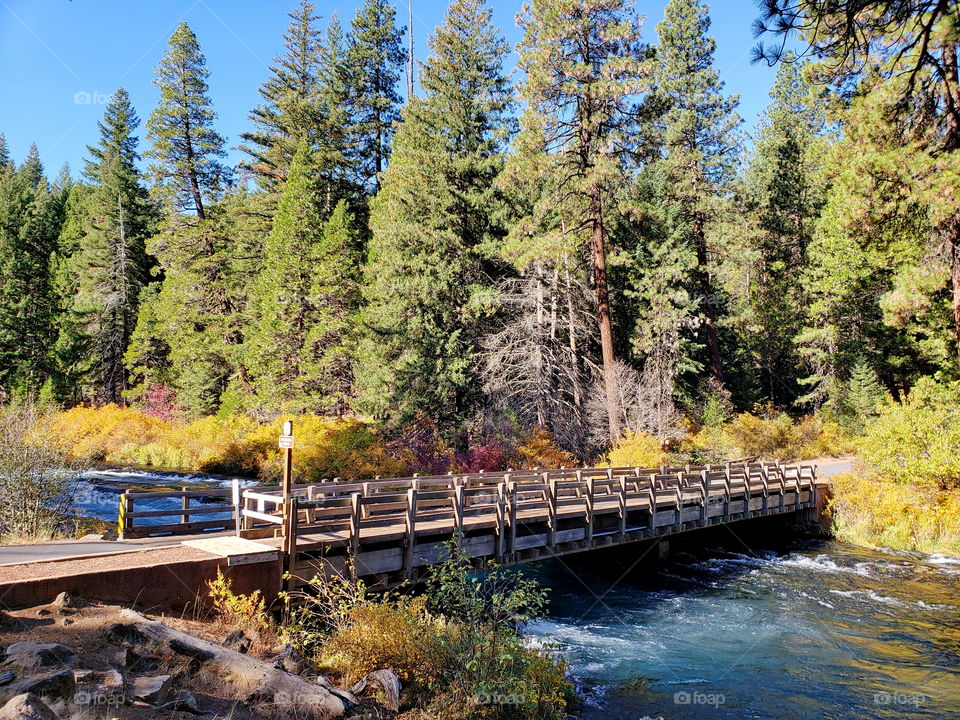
{"x": 411, "y": 533}
{"x": 588, "y": 531}
{"x": 512, "y": 499}
{"x": 458, "y": 507}
{"x": 122, "y": 516}
{"x": 237, "y": 510}
{"x": 354, "y": 533}
{"x": 185, "y": 505}
{"x": 705, "y": 491}
{"x": 290, "y": 538}
{"x": 622, "y": 490}
{"x": 501, "y": 550}
{"x": 551, "y": 511}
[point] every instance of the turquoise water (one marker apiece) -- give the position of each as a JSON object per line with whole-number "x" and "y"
{"x": 817, "y": 630}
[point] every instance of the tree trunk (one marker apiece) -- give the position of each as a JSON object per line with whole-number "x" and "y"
{"x": 288, "y": 694}
{"x": 951, "y": 226}
{"x": 706, "y": 291}
{"x": 603, "y": 314}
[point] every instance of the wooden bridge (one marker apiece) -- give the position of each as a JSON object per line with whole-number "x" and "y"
{"x": 389, "y": 531}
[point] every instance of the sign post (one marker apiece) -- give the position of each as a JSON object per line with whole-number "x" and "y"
{"x": 286, "y": 444}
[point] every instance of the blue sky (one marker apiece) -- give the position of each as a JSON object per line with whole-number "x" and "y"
{"x": 60, "y": 60}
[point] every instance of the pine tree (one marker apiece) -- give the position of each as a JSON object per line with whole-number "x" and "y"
{"x": 302, "y": 299}
{"x": 110, "y": 264}
{"x": 4, "y": 153}
{"x": 584, "y": 69}
{"x": 701, "y": 143}
{"x": 427, "y": 280}
{"x": 785, "y": 196}
{"x": 32, "y": 214}
{"x": 185, "y": 148}
{"x": 292, "y": 110}
{"x": 374, "y": 57}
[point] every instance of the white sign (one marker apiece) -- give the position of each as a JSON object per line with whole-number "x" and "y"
{"x": 286, "y": 441}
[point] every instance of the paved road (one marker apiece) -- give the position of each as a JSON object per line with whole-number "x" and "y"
{"x": 76, "y": 548}
{"x": 826, "y": 468}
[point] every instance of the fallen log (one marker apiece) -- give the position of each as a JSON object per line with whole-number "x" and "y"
{"x": 253, "y": 679}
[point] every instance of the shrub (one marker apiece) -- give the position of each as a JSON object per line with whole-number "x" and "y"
{"x": 916, "y": 442}
{"x": 238, "y": 611}
{"x": 105, "y": 433}
{"x": 637, "y": 449}
{"x": 37, "y": 475}
{"x": 881, "y": 513}
{"x": 539, "y": 450}
{"x": 455, "y": 648}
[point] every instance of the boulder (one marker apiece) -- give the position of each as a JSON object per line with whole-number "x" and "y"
{"x": 26, "y": 707}
{"x": 384, "y": 682}
{"x": 58, "y": 685}
{"x": 151, "y": 690}
{"x": 66, "y": 600}
{"x": 30, "y": 654}
{"x": 185, "y": 701}
{"x": 238, "y": 641}
{"x": 135, "y": 662}
{"x": 98, "y": 688}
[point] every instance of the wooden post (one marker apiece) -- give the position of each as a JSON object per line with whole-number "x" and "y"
{"x": 501, "y": 523}
{"x": 551, "y": 512}
{"x": 622, "y": 487}
{"x": 411, "y": 533}
{"x": 512, "y": 509}
{"x": 704, "y": 497}
{"x": 286, "y": 444}
{"x": 185, "y": 505}
{"x": 122, "y": 516}
{"x": 290, "y": 539}
{"x": 354, "y": 533}
{"x": 588, "y": 532}
{"x": 235, "y": 497}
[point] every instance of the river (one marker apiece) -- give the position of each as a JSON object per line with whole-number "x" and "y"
{"x": 817, "y": 629}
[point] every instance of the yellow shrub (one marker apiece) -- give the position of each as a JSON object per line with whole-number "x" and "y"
{"x": 396, "y": 634}
{"x": 243, "y": 612}
{"x": 879, "y": 513}
{"x": 539, "y": 450}
{"x": 637, "y": 450}
{"x": 105, "y": 433}
{"x": 775, "y": 437}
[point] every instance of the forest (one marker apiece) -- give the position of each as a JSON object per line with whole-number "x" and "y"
{"x": 588, "y": 243}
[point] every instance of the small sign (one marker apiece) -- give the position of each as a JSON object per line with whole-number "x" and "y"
{"x": 286, "y": 441}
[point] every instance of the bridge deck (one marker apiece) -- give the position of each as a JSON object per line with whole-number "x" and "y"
{"x": 388, "y": 531}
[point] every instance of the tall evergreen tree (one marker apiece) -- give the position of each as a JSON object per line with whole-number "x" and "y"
{"x": 292, "y": 110}
{"x": 32, "y": 213}
{"x": 785, "y": 196}
{"x": 584, "y": 70}
{"x": 297, "y": 352}
{"x": 701, "y": 144}
{"x": 374, "y": 57}
{"x": 432, "y": 221}
{"x": 185, "y": 149}
{"x": 110, "y": 265}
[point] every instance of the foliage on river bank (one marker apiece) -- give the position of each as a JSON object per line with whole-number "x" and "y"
{"x": 457, "y": 648}
{"x": 905, "y": 490}
{"x": 37, "y": 476}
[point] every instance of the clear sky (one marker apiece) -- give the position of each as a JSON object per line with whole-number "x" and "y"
{"x": 61, "y": 59}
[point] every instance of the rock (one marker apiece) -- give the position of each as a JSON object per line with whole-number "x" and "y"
{"x": 126, "y": 635}
{"x": 43, "y": 612}
{"x": 384, "y": 681}
{"x": 289, "y": 660}
{"x": 185, "y": 701}
{"x": 26, "y": 707}
{"x": 59, "y": 685}
{"x": 66, "y": 621}
{"x": 238, "y": 641}
{"x": 151, "y": 690}
{"x": 135, "y": 662}
{"x": 6, "y": 678}
{"x": 30, "y": 654}
{"x": 96, "y": 688}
